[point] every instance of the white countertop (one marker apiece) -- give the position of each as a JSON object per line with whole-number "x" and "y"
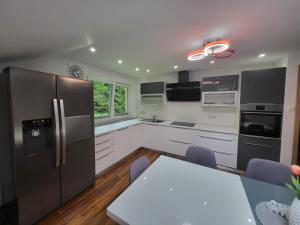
{"x": 173, "y": 191}
{"x": 100, "y": 130}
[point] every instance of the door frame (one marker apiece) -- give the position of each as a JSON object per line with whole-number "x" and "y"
{"x": 296, "y": 139}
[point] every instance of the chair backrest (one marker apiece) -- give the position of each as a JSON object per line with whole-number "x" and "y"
{"x": 201, "y": 156}
{"x": 138, "y": 167}
{"x": 268, "y": 171}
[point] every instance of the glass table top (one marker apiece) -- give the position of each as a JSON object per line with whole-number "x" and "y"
{"x": 173, "y": 191}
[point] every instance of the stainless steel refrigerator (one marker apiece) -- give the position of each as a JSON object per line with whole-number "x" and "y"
{"x": 46, "y": 142}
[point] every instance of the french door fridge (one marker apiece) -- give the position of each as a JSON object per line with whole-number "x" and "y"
{"x": 50, "y": 121}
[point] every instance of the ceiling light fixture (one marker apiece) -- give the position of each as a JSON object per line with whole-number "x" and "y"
{"x": 215, "y": 46}
{"x": 120, "y": 61}
{"x": 175, "y": 67}
{"x": 137, "y": 69}
{"x": 212, "y": 62}
{"x": 225, "y": 54}
{"x": 197, "y": 55}
{"x": 148, "y": 71}
{"x": 262, "y": 55}
{"x": 93, "y": 49}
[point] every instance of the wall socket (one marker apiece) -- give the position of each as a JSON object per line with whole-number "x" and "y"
{"x": 212, "y": 116}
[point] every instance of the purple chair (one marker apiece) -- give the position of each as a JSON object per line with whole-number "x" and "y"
{"x": 201, "y": 156}
{"x": 138, "y": 167}
{"x": 268, "y": 171}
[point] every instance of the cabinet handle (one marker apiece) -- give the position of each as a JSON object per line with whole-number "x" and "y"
{"x": 57, "y": 133}
{"x": 103, "y": 156}
{"x": 181, "y": 142}
{"x": 220, "y": 139}
{"x": 103, "y": 149}
{"x": 258, "y": 145}
{"x": 100, "y": 143}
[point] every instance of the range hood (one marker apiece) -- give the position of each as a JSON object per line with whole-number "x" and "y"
{"x": 184, "y": 90}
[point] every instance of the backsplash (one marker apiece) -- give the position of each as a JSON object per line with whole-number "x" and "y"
{"x": 192, "y": 112}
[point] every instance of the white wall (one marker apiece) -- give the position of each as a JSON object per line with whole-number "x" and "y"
{"x": 193, "y": 111}
{"x": 293, "y": 62}
{"x": 59, "y": 65}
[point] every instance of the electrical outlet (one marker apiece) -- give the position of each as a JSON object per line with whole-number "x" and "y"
{"x": 211, "y": 116}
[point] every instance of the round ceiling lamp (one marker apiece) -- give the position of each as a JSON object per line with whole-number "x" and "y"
{"x": 197, "y": 55}
{"x": 224, "y": 54}
{"x": 215, "y": 46}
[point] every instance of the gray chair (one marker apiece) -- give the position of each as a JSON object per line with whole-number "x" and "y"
{"x": 268, "y": 171}
{"x": 201, "y": 156}
{"x": 138, "y": 167}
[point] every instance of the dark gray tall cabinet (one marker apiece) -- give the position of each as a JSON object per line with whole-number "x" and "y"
{"x": 262, "y": 99}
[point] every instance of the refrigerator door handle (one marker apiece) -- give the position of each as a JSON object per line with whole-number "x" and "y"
{"x": 57, "y": 133}
{"x": 63, "y": 132}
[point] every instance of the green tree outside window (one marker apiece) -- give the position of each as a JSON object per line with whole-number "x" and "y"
{"x": 102, "y": 99}
{"x": 120, "y": 99}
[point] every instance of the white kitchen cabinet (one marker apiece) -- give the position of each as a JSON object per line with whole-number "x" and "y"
{"x": 219, "y": 142}
{"x": 226, "y": 160}
{"x": 136, "y": 137}
{"x": 104, "y": 151}
{"x": 122, "y": 140}
{"x": 224, "y": 146}
{"x": 179, "y": 139}
{"x": 153, "y": 137}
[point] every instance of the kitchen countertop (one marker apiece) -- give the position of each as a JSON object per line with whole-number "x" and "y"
{"x": 105, "y": 129}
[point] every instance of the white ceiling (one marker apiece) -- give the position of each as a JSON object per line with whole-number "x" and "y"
{"x": 154, "y": 34}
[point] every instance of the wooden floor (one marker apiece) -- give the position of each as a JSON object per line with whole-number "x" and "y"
{"x": 90, "y": 206}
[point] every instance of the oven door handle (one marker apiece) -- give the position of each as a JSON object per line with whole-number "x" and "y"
{"x": 258, "y": 145}
{"x": 261, "y": 112}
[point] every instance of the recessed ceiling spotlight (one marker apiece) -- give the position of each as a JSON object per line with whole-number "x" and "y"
{"x": 137, "y": 69}
{"x": 120, "y": 61}
{"x": 262, "y": 55}
{"x": 148, "y": 71}
{"x": 212, "y": 62}
{"x": 92, "y": 49}
{"x": 175, "y": 67}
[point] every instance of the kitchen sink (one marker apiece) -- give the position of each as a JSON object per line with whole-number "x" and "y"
{"x": 153, "y": 121}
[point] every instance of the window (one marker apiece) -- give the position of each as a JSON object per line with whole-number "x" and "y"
{"x": 120, "y": 100}
{"x": 102, "y": 99}
{"x": 110, "y": 100}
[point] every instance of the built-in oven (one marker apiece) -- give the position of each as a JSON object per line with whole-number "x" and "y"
{"x": 260, "y": 133}
{"x": 261, "y": 120}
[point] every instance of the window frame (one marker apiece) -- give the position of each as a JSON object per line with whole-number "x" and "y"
{"x": 113, "y": 116}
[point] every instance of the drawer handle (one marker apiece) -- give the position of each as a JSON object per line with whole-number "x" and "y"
{"x": 101, "y": 150}
{"x": 259, "y": 145}
{"x": 107, "y": 154}
{"x": 100, "y": 143}
{"x": 220, "y": 139}
{"x": 224, "y": 153}
{"x": 180, "y": 142}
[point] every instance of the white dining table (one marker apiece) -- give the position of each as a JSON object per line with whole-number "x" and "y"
{"x": 175, "y": 192}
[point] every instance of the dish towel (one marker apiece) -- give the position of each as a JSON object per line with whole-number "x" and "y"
{"x": 269, "y": 214}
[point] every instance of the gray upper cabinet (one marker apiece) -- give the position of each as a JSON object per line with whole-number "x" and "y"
{"x": 153, "y": 88}
{"x": 263, "y": 86}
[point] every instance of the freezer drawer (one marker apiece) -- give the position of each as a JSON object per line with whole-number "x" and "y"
{"x": 256, "y": 147}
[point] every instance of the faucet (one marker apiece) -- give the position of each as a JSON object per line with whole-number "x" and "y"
{"x": 154, "y": 118}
